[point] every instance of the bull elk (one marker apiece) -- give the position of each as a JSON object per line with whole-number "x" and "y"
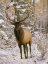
{"x": 23, "y": 37}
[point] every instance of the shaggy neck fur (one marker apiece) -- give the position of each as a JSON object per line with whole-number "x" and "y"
{"x": 19, "y": 34}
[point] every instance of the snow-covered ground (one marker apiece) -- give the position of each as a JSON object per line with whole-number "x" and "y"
{"x": 1, "y": 21}
{"x": 11, "y": 54}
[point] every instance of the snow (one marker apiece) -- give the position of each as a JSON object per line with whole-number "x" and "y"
{"x": 1, "y": 14}
{"x": 26, "y": 27}
{"x": 4, "y": 26}
{"x": 24, "y": 5}
{"x": 12, "y": 56}
{"x": 18, "y": 6}
{"x": 35, "y": 51}
{"x": 11, "y": 4}
{"x": 12, "y": 18}
{"x": 4, "y": 34}
{"x": 3, "y": 52}
{"x": 37, "y": 34}
{"x": 46, "y": 55}
{"x": 23, "y": 10}
{"x": 1, "y": 21}
{"x": 20, "y": 14}
{"x": 36, "y": 1}
{"x": 41, "y": 62}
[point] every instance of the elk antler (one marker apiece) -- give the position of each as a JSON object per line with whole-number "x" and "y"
{"x": 25, "y": 15}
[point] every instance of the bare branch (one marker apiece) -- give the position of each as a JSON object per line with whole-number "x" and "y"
{"x": 26, "y": 15}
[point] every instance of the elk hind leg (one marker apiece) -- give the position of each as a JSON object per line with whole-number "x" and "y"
{"x": 30, "y": 50}
{"x": 27, "y": 50}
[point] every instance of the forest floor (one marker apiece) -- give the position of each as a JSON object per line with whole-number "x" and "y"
{"x": 11, "y": 55}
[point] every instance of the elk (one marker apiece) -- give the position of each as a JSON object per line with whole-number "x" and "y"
{"x": 23, "y": 37}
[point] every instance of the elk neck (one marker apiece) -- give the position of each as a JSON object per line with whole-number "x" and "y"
{"x": 19, "y": 34}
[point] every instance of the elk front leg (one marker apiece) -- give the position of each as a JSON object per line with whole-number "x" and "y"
{"x": 20, "y": 51}
{"x": 25, "y": 51}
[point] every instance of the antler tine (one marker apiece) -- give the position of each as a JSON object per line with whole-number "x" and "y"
{"x": 25, "y": 17}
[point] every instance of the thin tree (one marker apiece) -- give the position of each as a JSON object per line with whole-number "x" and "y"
{"x": 47, "y": 20}
{"x": 33, "y": 13}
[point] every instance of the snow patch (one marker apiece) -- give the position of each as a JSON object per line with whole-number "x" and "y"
{"x": 41, "y": 62}
{"x": 4, "y": 26}
{"x": 23, "y": 10}
{"x": 18, "y": 6}
{"x": 36, "y": 1}
{"x": 3, "y": 52}
{"x": 11, "y": 4}
{"x": 20, "y": 14}
{"x": 1, "y": 14}
{"x": 1, "y": 21}
{"x": 4, "y": 34}
{"x": 37, "y": 35}
{"x": 35, "y": 51}
{"x": 12, "y": 18}
{"x": 46, "y": 54}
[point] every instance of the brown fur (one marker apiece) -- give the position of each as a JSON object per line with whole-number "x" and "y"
{"x": 23, "y": 37}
